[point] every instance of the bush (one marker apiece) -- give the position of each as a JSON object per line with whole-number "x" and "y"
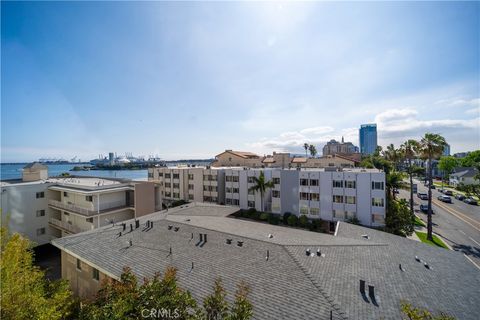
{"x": 316, "y": 225}
{"x": 286, "y": 215}
{"x": 303, "y": 221}
{"x": 274, "y": 219}
{"x": 264, "y": 216}
{"x": 292, "y": 220}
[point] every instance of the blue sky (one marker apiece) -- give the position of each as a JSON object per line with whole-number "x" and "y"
{"x": 188, "y": 80}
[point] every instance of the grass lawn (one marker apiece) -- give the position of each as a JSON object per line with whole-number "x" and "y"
{"x": 436, "y": 240}
{"x": 419, "y": 222}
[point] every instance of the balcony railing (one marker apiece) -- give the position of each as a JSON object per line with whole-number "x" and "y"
{"x": 65, "y": 226}
{"x": 72, "y": 207}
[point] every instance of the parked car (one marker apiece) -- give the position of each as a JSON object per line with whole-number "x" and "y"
{"x": 422, "y": 196}
{"x": 448, "y": 192}
{"x": 433, "y": 187}
{"x": 424, "y": 208}
{"x": 471, "y": 201}
{"x": 446, "y": 199}
{"x": 459, "y": 196}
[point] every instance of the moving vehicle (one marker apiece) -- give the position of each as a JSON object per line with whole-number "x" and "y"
{"x": 422, "y": 196}
{"x": 424, "y": 208}
{"x": 459, "y": 196}
{"x": 471, "y": 201}
{"x": 448, "y": 192}
{"x": 446, "y": 199}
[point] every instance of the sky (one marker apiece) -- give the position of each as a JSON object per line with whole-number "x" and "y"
{"x": 191, "y": 79}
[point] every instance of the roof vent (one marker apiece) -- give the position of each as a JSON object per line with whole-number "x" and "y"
{"x": 401, "y": 268}
{"x": 137, "y": 224}
{"x": 176, "y": 229}
{"x": 427, "y": 266}
{"x": 307, "y": 252}
{"x": 268, "y": 255}
{"x": 270, "y": 236}
{"x": 371, "y": 293}
{"x": 240, "y": 243}
{"x": 362, "y": 287}
{"x": 365, "y": 236}
{"x": 418, "y": 259}
{"x": 131, "y": 227}
{"x": 124, "y": 225}
{"x": 200, "y": 241}
{"x": 229, "y": 241}
{"x": 170, "y": 227}
{"x": 319, "y": 253}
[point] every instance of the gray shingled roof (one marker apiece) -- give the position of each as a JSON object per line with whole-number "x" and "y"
{"x": 289, "y": 285}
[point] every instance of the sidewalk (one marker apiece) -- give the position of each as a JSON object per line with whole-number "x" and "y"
{"x": 424, "y": 230}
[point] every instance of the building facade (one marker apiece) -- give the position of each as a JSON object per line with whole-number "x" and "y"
{"x": 334, "y": 147}
{"x": 368, "y": 138}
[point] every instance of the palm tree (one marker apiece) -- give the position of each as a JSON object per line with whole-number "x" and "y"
{"x": 431, "y": 148}
{"x": 409, "y": 150}
{"x": 306, "y": 146}
{"x": 392, "y": 155}
{"x": 261, "y": 185}
{"x": 313, "y": 150}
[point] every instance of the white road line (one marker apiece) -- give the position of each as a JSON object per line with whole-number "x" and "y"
{"x": 474, "y": 241}
{"x": 462, "y": 231}
{"x": 476, "y": 265}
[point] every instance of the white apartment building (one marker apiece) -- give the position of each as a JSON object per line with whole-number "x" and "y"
{"x": 54, "y": 207}
{"x": 330, "y": 194}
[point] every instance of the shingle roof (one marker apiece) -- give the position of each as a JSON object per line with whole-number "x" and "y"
{"x": 289, "y": 285}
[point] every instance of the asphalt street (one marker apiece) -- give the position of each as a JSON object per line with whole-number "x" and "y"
{"x": 458, "y": 223}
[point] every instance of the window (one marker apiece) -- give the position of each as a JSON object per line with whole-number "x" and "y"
{"x": 338, "y": 183}
{"x": 251, "y": 191}
{"x": 41, "y": 213}
{"x": 351, "y": 184}
{"x": 304, "y": 182}
{"x": 79, "y": 264}
{"x": 95, "y": 274}
{"x": 176, "y": 195}
{"x": 160, "y": 174}
{"x": 276, "y": 180}
{"x": 89, "y": 198}
{"x": 377, "y": 202}
{"x": 234, "y": 202}
{"x": 350, "y": 199}
{"x": 314, "y": 196}
{"x": 167, "y": 175}
{"x": 251, "y": 204}
{"x": 40, "y": 232}
{"x": 378, "y": 218}
{"x": 336, "y": 213}
{"x": 176, "y": 186}
{"x": 168, "y": 194}
{"x": 350, "y": 215}
{"x": 234, "y": 190}
{"x": 303, "y": 210}
{"x": 190, "y": 187}
{"x": 190, "y": 176}
{"x": 304, "y": 196}
{"x": 150, "y": 175}
{"x": 176, "y": 176}
{"x": 377, "y": 185}
{"x": 89, "y": 220}
{"x": 275, "y": 194}
{"x": 235, "y": 178}
{"x": 251, "y": 179}
{"x": 338, "y": 199}
{"x": 168, "y": 184}
{"x": 314, "y": 211}
{"x": 228, "y": 178}
{"x": 40, "y": 195}
{"x": 314, "y": 182}
{"x": 190, "y": 197}
{"x": 65, "y": 194}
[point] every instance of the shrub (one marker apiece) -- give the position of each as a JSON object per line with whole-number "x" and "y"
{"x": 292, "y": 220}
{"x": 286, "y": 215}
{"x": 303, "y": 221}
{"x": 317, "y": 225}
{"x": 274, "y": 219}
{"x": 264, "y": 216}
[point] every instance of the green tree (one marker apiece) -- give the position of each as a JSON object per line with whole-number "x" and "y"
{"x": 215, "y": 305}
{"x": 242, "y": 309}
{"x": 303, "y": 221}
{"x": 393, "y": 155}
{"x": 431, "y": 148}
{"x": 398, "y": 219}
{"x": 471, "y": 160}
{"x": 25, "y": 293}
{"x": 447, "y": 164}
{"x": 306, "y": 146}
{"x": 409, "y": 150}
{"x": 413, "y": 313}
{"x": 313, "y": 150}
{"x": 261, "y": 185}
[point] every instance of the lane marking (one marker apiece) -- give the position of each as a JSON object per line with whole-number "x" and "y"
{"x": 462, "y": 231}
{"x": 457, "y": 214}
{"x": 476, "y": 265}
{"x": 474, "y": 240}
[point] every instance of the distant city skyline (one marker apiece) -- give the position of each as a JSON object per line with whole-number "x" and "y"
{"x": 189, "y": 80}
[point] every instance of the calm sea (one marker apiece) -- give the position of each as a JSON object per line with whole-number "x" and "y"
{"x": 14, "y": 171}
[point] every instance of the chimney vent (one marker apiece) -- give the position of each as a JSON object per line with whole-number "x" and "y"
{"x": 124, "y": 225}
{"x": 131, "y": 227}
{"x": 319, "y": 253}
{"x": 307, "y": 252}
{"x": 205, "y": 238}
{"x": 137, "y": 224}
{"x": 371, "y": 292}
{"x": 240, "y": 243}
{"x": 229, "y": 241}
{"x": 401, "y": 268}
{"x": 268, "y": 255}
{"x": 362, "y": 286}
{"x": 427, "y": 266}
{"x": 170, "y": 227}
{"x": 176, "y": 229}
{"x": 418, "y": 259}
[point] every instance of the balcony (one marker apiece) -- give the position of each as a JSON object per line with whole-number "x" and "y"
{"x": 64, "y": 226}
{"x": 104, "y": 207}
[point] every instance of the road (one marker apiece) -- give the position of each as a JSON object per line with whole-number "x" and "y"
{"x": 458, "y": 223}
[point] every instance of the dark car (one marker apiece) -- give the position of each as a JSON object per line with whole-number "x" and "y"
{"x": 424, "y": 208}
{"x": 433, "y": 187}
{"x": 422, "y": 196}
{"x": 471, "y": 201}
{"x": 446, "y": 199}
{"x": 459, "y": 196}
{"x": 448, "y": 192}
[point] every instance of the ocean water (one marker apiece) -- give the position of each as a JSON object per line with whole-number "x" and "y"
{"x": 14, "y": 171}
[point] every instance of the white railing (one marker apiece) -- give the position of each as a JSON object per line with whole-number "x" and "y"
{"x": 72, "y": 207}
{"x": 66, "y": 226}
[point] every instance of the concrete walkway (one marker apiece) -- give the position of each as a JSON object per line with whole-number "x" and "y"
{"x": 424, "y": 230}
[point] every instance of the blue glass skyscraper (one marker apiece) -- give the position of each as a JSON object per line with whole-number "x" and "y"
{"x": 368, "y": 138}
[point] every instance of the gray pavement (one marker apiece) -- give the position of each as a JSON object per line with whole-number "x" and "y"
{"x": 458, "y": 224}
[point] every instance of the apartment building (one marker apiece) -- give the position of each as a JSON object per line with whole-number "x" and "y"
{"x": 54, "y": 207}
{"x": 331, "y": 194}
{"x": 196, "y": 184}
